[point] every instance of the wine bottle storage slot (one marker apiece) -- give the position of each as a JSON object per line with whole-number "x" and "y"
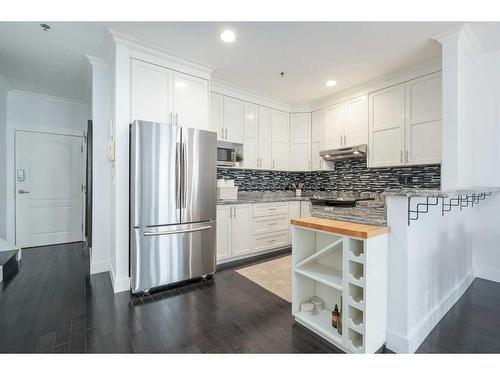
{"x": 356, "y": 270}
{"x": 356, "y": 249}
{"x": 356, "y": 316}
{"x": 355, "y": 339}
{"x": 356, "y": 296}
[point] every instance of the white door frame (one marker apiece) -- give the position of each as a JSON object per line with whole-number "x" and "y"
{"x": 53, "y": 131}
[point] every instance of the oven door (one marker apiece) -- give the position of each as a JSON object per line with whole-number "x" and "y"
{"x": 168, "y": 254}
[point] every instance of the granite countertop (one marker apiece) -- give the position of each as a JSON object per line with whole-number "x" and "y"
{"x": 440, "y": 193}
{"x": 265, "y": 197}
{"x": 364, "y": 215}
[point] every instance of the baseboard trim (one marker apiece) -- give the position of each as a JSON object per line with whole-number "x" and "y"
{"x": 409, "y": 344}
{"x": 490, "y": 274}
{"x": 119, "y": 285}
{"x": 98, "y": 267}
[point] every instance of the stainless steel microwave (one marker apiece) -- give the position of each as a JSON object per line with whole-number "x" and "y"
{"x": 226, "y": 156}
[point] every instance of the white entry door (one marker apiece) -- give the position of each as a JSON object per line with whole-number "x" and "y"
{"x": 49, "y": 197}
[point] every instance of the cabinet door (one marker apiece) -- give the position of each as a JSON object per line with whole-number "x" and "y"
{"x": 334, "y": 127}
{"x": 216, "y": 110}
{"x": 386, "y": 126}
{"x": 191, "y": 101}
{"x": 250, "y": 132}
{"x": 233, "y": 120}
{"x": 356, "y": 122}
{"x": 242, "y": 240}
{"x": 265, "y": 155}
{"x": 223, "y": 232}
{"x": 305, "y": 209}
{"x": 151, "y": 92}
{"x": 300, "y": 142}
{"x": 280, "y": 122}
{"x": 423, "y": 120}
{"x": 316, "y": 139}
{"x": 293, "y": 213}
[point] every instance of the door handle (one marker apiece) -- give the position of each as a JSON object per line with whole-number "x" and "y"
{"x": 23, "y": 191}
{"x": 168, "y": 232}
{"x": 184, "y": 177}
{"x": 178, "y": 176}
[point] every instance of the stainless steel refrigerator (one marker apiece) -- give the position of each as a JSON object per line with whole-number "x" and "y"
{"x": 172, "y": 204}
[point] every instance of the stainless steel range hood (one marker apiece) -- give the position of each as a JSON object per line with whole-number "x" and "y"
{"x": 355, "y": 152}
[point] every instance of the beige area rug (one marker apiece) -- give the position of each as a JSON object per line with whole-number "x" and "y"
{"x": 274, "y": 275}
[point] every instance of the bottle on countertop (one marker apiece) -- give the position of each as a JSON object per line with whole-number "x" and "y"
{"x": 339, "y": 323}
{"x": 335, "y": 316}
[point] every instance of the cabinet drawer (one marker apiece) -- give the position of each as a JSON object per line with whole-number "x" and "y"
{"x": 268, "y": 209}
{"x": 270, "y": 241}
{"x": 269, "y": 224}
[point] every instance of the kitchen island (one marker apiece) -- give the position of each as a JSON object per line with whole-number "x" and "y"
{"x": 345, "y": 264}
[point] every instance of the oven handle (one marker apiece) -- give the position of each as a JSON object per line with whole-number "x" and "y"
{"x": 168, "y": 232}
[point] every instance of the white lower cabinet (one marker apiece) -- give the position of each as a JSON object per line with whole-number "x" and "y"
{"x": 247, "y": 229}
{"x": 234, "y": 231}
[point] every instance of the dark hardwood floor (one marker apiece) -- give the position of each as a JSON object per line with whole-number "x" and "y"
{"x": 471, "y": 326}
{"x": 53, "y": 306}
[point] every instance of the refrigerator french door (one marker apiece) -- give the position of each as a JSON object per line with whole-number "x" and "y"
{"x": 172, "y": 204}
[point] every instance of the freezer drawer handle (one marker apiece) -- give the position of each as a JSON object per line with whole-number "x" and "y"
{"x": 147, "y": 234}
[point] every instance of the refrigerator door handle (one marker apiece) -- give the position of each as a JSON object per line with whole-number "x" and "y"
{"x": 178, "y": 176}
{"x": 169, "y": 232}
{"x": 184, "y": 174}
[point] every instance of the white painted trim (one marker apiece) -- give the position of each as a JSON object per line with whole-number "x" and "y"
{"x": 119, "y": 285}
{"x": 4, "y": 84}
{"x": 448, "y": 33}
{"x": 47, "y": 130}
{"x": 46, "y": 97}
{"x": 490, "y": 274}
{"x": 239, "y": 92}
{"x": 410, "y": 344}
{"x": 143, "y": 50}
{"x": 377, "y": 83}
{"x": 99, "y": 267}
{"x": 97, "y": 61}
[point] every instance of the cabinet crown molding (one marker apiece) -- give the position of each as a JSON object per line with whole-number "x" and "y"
{"x": 138, "y": 45}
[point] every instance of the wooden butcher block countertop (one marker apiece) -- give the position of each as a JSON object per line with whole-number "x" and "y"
{"x": 340, "y": 227}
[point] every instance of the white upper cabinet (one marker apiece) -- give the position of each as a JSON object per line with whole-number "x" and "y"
{"x": 386, "y": 126}
{"x": 424, "y": 120}
{"x": 280, "y": 122}
{"x": 300, "y": 141}
{"x": 151, "y": 93}
{"x": 163, "y": 95}
{"x": 191, "y": 101}
{"x": 251, "y": 132}
{"x": 216, "y": 114}
{"x": 405, "y": 123}
{"x": 264, "y": 147}
{"x": 356, "y": 122}
{"x": 233, "y": 120}
{"x": 317, "y": 140}
{"x": 333, "y": 127}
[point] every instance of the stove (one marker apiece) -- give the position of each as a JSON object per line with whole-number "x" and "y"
{"x": 338, "y": 202}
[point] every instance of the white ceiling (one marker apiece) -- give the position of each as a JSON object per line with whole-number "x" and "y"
{"x": 308, "y": 52}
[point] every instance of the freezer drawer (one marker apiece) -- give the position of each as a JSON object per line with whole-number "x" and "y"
{"x": 167, "y": 254}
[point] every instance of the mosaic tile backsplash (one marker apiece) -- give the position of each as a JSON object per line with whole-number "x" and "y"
{"x": 352, "y": 175}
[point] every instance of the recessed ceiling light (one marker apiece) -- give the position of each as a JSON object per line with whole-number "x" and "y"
{"x": 45, "y": 27}
{"x": 228, "y": 36}
{"x": 331, "y": 83}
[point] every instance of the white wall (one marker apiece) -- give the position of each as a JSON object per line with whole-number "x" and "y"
{"x": 430, "y": 267}
{"x": 31, "y": 111}
{"x": 101, "y": 166}
{"x": 3, "y": 158}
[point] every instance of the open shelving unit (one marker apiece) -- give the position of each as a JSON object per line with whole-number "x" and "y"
{"x": 331, "y": 266}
